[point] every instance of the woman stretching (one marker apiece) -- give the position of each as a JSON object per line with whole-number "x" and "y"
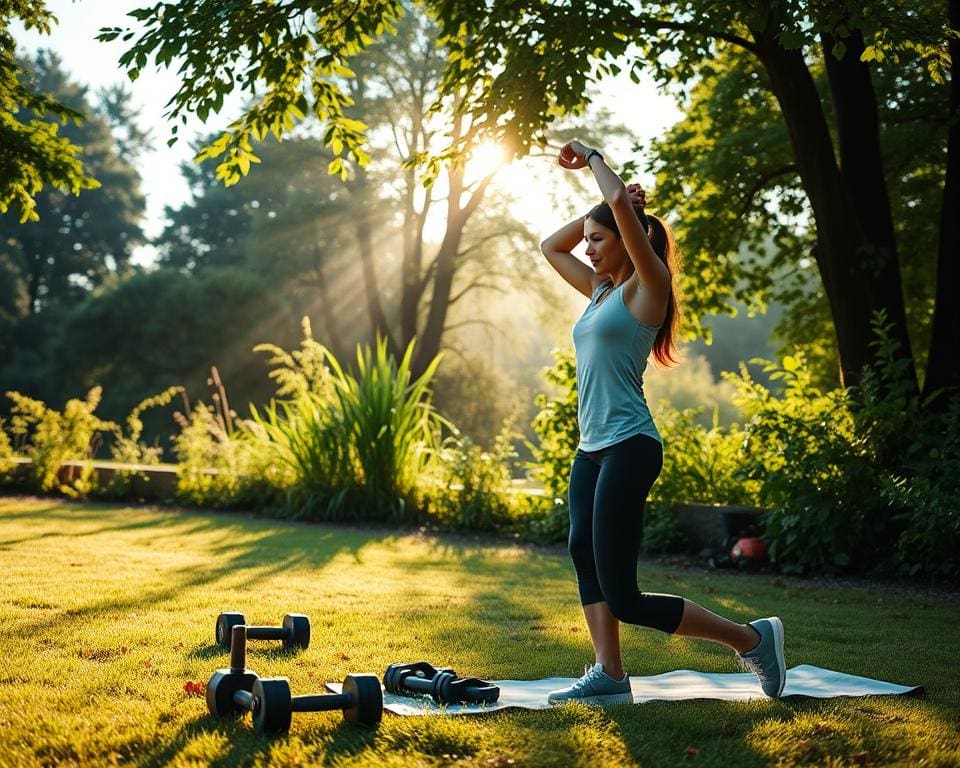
{"x": 632, "y": 312}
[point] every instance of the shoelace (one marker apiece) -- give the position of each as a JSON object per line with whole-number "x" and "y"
{"x": 752, "y": 665}
{"x": 590, "y": 673}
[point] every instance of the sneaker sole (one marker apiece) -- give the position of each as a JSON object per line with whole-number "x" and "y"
{"x": 609, "y": 698}
{"x": 777, "y": 626}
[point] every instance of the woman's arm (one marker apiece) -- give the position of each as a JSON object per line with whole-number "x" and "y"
{"x": 557, "y": 248}
{"x": 652, "y": 272}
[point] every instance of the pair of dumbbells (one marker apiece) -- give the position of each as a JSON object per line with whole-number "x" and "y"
{"x": 441, "y": 683}
{"x": 237, "y": 690}
{"x": 293, "y": 632}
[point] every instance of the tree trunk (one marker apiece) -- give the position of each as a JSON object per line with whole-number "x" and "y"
{"x": 334, "y": 340}
{"x": 861, "y": 169}
{"x": 856, "y": 278}
{"x": 943, "y": 363}
{"x": 445, "y": 267}
{"x": 364, "y": 233}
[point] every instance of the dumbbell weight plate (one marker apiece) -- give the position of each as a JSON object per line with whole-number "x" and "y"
{"x": 273, "y": 707}
{"x": 367, "y": 697}
{"x": 225, "y": 623}
{"x": 222, "y": 686}
{"x": 298, "y": 626}
{"x": 392, "y": 678}
{"x": 449, "y": 689}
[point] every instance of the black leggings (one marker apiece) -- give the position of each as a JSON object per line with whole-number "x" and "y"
{"x": 608, "y": 490}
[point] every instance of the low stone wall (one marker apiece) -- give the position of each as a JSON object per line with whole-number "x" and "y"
{"x": 146, "y": 481}
{"x": 152, "y": 482}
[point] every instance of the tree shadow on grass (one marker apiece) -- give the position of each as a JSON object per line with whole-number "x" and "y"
{"x": 247, "y": 747}
{"x": 273, "y": 549}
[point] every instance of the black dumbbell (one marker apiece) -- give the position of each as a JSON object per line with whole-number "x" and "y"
{"x": 441, "y": 683}
{"x": 273, "y": 706}
{"x": 227, "y": 683}
{"x": 294, "y": 632}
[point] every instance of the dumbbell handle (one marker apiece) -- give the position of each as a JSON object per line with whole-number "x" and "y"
{"x": 268, "y": 633}
{"x": 321, "y": 702}
{"x": 238, "y": 648}
{"x": 417, "y": 683}
{"x": 243, "y": 699}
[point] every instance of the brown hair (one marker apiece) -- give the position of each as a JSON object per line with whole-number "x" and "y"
{"x": 661, "y": 238}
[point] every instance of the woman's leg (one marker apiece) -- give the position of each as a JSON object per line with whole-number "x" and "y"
{"x": 628, "y": 472}
{"x": 698, "y": 622}
{"x": 604, "y": 630}
{"x": 601, "y": 623}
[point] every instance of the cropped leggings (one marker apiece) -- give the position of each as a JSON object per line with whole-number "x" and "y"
{"x": 608, "y": 490}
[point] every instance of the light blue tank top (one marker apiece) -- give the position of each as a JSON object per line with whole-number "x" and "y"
{"x": 612, "y": 348}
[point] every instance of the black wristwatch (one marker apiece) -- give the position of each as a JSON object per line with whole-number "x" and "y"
{"x": 590, "y": 155}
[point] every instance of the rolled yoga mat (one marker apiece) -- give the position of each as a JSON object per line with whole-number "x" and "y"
{"x": 803, "y": 680}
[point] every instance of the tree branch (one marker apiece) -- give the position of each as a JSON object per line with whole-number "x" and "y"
{"x": 697, "y": 29}
{"x": 763, "y": 181}
{"x": 477, "y": 321}
{"x": 473, "y": 284}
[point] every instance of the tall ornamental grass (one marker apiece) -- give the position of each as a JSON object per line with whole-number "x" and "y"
{"x": 357, "y": 448}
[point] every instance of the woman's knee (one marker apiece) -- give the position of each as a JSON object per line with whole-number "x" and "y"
{"x": 623, "y": 605}
{"x": 580, "y": 547}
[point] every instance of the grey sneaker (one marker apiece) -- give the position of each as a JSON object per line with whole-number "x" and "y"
{"x": 766, "y": 660}
{"x": 595, "y": 687}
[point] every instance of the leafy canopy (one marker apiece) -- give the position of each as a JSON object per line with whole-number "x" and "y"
{"x": 289, "y": 58}
{"x": 32, "y": 153}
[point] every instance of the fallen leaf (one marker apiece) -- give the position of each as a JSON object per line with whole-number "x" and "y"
{"x": 808, "y": 748}
{"x": 194, "y": 688}
{"x": 860, "y": 758}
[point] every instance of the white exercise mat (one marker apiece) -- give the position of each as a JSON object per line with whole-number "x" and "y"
{"x": 802, "y": 680}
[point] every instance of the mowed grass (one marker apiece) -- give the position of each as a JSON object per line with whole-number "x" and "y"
{"x": 107, "y": 611}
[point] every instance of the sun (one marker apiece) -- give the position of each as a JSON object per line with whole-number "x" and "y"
{"x": 487, "y": 156}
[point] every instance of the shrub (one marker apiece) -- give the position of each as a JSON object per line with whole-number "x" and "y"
{"x": 7, "y": 464}
{"x": 802, "y": 451}
{"x": 473, "y": 487}
{"x": 917, "y": 443}
{"x": 220, "y": 461}
{"x": 127, "y": 447}
{"x": 50, "y": 438}
{"x": 559, "y": 434}
{"x": 700, "y": 465}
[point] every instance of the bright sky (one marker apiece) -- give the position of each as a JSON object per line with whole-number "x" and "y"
{"x": 93, "y": 63}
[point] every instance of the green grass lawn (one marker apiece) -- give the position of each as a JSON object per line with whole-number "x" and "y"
{"x": 107, "y": 611}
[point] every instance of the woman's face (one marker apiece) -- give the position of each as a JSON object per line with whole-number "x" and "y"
{"x": 604, "y": 249}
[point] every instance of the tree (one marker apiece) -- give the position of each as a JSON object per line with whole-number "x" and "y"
{"x": 517, "y": 66}
{"x": 77, "y": 241}
{"x": 841, "y": 176}
{"x": 286, "y": 224}
{"x": 395, "y": 92}
{"x": 183, "y": 325}
{"x": 746, "y": 221}
{"x": 73, "y": 245}
{"x": 32, "y": 154}
{"x": 291, "y": 206}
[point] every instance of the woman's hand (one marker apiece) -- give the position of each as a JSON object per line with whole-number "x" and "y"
{"x": 637, "y": 196}
{"x": 573, "y": 155}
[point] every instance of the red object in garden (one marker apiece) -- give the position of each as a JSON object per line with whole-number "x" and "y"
{"x": 749, "y": 552}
